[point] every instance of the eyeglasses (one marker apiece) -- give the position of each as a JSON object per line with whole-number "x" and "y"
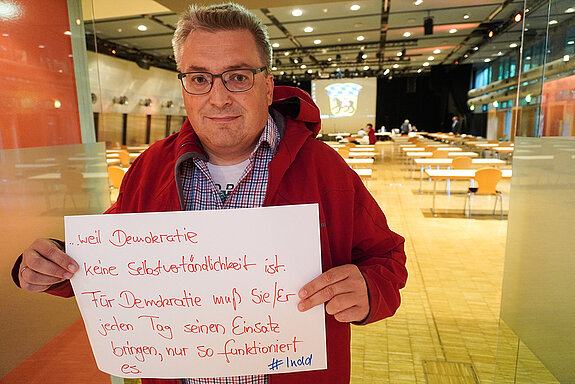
{"x": 235, "y": 80}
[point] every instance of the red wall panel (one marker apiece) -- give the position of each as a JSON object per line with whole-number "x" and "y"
{"x": 37, "y": 86}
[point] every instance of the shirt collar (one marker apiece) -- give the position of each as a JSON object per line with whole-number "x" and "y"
{"x": 270, "y": 136}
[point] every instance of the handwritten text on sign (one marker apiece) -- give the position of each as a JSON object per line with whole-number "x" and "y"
{"x": 199, "y": 294}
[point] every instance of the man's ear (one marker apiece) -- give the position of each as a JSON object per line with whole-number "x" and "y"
{"x": 270, "y": 88}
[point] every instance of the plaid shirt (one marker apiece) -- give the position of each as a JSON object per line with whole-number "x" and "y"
{"x": 200, "y": 193}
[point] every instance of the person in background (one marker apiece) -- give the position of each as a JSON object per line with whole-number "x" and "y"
{"x": 413, "y": 128}
{"x": 238, "y": 120}
{"x": 371, "y": 134}
{"x": 455, "y": 125}
{"x": 405, "y": 127}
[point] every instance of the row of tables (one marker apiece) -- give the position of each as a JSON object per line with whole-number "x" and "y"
{"x": 360, "y": 157}
{"x": 439, "y": 168}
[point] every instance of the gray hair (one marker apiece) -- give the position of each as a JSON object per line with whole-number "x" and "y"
{"x": 221, "y": 17}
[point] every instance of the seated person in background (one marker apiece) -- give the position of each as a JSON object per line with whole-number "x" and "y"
{"x": 413, "y": 128}
{"x": 361, "y": 133}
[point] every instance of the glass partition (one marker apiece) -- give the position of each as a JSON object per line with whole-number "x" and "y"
{"x": 38, "y": 187}
{"x": 536, "y": 334}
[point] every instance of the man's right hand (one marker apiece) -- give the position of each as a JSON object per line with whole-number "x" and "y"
{"x": 44, "y": 264}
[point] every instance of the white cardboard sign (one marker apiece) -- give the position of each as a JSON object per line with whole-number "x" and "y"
{"x": 199, "y": 293}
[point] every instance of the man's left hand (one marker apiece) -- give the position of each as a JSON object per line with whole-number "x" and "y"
{"x": 344, "y": 291}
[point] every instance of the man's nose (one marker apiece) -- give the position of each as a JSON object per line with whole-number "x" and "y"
{"x": 219, "y": 95}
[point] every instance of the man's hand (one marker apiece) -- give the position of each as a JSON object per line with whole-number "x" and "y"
{"x": 344, "y": 290}
{"x": 43, "y": 265}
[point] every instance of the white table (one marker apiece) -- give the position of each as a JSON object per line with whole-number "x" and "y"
{"x": 447, "y": 163}
{"x": 456, "y": 174}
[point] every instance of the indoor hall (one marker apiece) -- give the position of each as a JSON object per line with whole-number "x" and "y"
{"x": 488, "y": 297}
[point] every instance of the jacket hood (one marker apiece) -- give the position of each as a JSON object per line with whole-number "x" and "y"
{"x": 298, "y": 105}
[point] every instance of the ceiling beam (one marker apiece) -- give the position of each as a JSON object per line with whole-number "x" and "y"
{"x": 179, "y": 6}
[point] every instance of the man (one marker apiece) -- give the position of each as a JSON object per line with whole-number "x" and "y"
{"x": 405, "y": 127}
{"x": 271, "y": 157}
{"x": 455, "y": 125}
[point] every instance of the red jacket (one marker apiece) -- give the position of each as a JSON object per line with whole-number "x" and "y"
{"x": 371, "y": 135}
{"x": 352, "y": 226}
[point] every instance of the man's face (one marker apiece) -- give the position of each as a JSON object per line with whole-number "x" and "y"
{"x": 228, "y": 124}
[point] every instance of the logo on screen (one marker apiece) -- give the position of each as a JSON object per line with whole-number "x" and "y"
{"x": 343, "y": 98}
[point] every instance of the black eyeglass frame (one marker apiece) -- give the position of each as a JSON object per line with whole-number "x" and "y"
{"x": 182, "y": 75}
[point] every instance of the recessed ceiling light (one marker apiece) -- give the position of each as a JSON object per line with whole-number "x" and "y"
{"x": 452, "y": 30}
{"x": 499, "y": 53}
{"x": 570, "y": 10}
{"x": 399, "y": 53}
{"x": 364, "y": 56}
{"x": 360, "y": 38}
{"x": 68, "y": 33}
{"x": 274, "y": 68}
{"x": 417, "y": 2}
{"x": 41, "y": 46}
{"x": 5, "y": 35}
{"x": 395, "y": 65}
{"x": 142, "y": 28}
{"x": 365, "y": 68}
{"x": 565, "y": 58}
{"x": 426, "y": 64}
{"x": 275, "y": 45}
{"x": 303, "y": 66}
{"x": 487, "y": 60}
{"x": 329, "y": 59}
{"x": 325, "y": 10}
{"x": 309, "y": 71}
{"x": 355, "y": 7}
{"x": 437, "y": 51}
{"x": 297, "y": 12}
{"x": 570, "y": 42}
{"x": 553, "y": 22}
{"x": 286, "y": 53}
{"x": 431, "y": 58}
{"x": 308, "y": 29}
{"x": 476, "y": 48}
{"x": 9, "y": 11}
{"x": 419, "y": 70}
{"x": 513, "y": 45}
{"x": 528, "y": 58}
{"x": 318, "y": 41}
{"x": 407, "y": 34}
{"x": 466, "y": 16}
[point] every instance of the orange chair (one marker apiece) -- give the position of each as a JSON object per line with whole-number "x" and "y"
{"x": 73, "y": 185}
{"x": 116, "y": 174}
{"x": 487, "y": 179}
{"x": 461, "y": 162}
{"x": 124, "y": 158}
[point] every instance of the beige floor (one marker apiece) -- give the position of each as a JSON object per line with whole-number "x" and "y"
{"x": 446, "y": 330}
